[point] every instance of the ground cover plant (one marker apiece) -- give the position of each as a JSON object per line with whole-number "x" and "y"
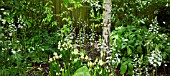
{"x": 34, "y": 43}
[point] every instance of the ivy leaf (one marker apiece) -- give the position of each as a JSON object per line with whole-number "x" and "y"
{"x": 123, "y": 68}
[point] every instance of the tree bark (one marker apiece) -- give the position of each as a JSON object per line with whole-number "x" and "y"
{"x": 106, "y": 24}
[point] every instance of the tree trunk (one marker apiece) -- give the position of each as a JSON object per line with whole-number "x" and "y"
{"x": 106, "y": 24}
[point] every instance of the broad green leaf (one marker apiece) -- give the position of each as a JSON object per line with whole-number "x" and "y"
{"x": 129, "y": 60}
{"x": 131, "y": 36}
{"x": 123, "y": 68}
{"x": 167, "y": 50}
{"x": 118, "y": 41}
{"x": 139, "y": 49}
{"x": 164, "y": 55}
{"x": 131, "y": 42}
{"x": 130, "y": 68}
{"x": 123, "y": 46}
{"x": 83, "y": 71}
{"x": 139, "y": 37}
{"x": 129, "y": 51}
{"x": 124, "y": 58}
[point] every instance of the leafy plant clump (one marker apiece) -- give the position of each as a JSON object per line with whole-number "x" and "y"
{"x": 138, "y": 49}
{"x": 27, "y": 38}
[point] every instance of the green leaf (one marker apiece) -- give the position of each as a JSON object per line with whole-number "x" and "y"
{"x": 129, "y": 51}
{"x": 164, "y": 55}
{"x": 118, "y": 42}
{"x": 139, "y": 49}
{"x": 131, "y": 36}
{"x": 131, "y": 42}
{"x": 124, "y": 58}
{"x": 167, "y": 50}
{"x": 139, "y": 37}
{"x": 123, "y": 68}
{"x": 130, "y": 70}
{"x": 28, "y": 23}
{"x": 83, "y": 71}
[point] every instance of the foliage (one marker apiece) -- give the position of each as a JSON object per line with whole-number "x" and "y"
{"x": 135, "y": 46}
{"x": 83, "y": 71}
{"x": 32, "y": 42}
{"x": 138, "y": 48}
{"x": 133, "y": 12}
{"x": 27, "y": 35}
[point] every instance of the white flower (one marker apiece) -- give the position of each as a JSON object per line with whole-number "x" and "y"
{"x": 107, "y": 61}
{"x": 55, "y": 54}
{"x": 150, "y": 61}
{"x": 90, "y": 63}
{"x": 153, "y": 55}
{"x": 19, "y": 50}
{"x": 60, "y": 56}
{"x": 159, "y": 63}
{"x": 50, "y": 59}
{"x": 150, "y": 25}
{"x": 14, "y": 52}
{"x": 17, "y": 41}
{"x": 3, "y": 21}
{"x": 82, "y": 55}
{"x": 8, "y": 59}
{"x": 62, "y": 69}
{"x": 109, "y": 57}
{"x": 42, "y": 49}
{"x": 119, "y": 27}
{"x": 2, "y": 9}
{"x": 76, "y": 51}
{"x": 100, "y": 72}
{"x": 160, "y": 58}
{"x": 154, "y": 65}
{"x": 96, "y": 60}
{"x": 167, "y": 5}
{"x": 155, "y": 60}
{"x": 113, "y": 61}
{"x": 86, "y": 57}
{"x": 75, "y": 60}
{"x": 118, "y": 59}
{"x": 59, "y": 45}
{"x": 101, "y": 54}
{"x": 125, "y": 39}
{"x": 70, "y": 58}
{"x": 165, "y": 64}
{"x": 116, "y": 55}
{"x": 101, "y": 62}
{"x": 19, "y": 26}
{"x": 57, "y": 74}
{"x": 33, "y": 48}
